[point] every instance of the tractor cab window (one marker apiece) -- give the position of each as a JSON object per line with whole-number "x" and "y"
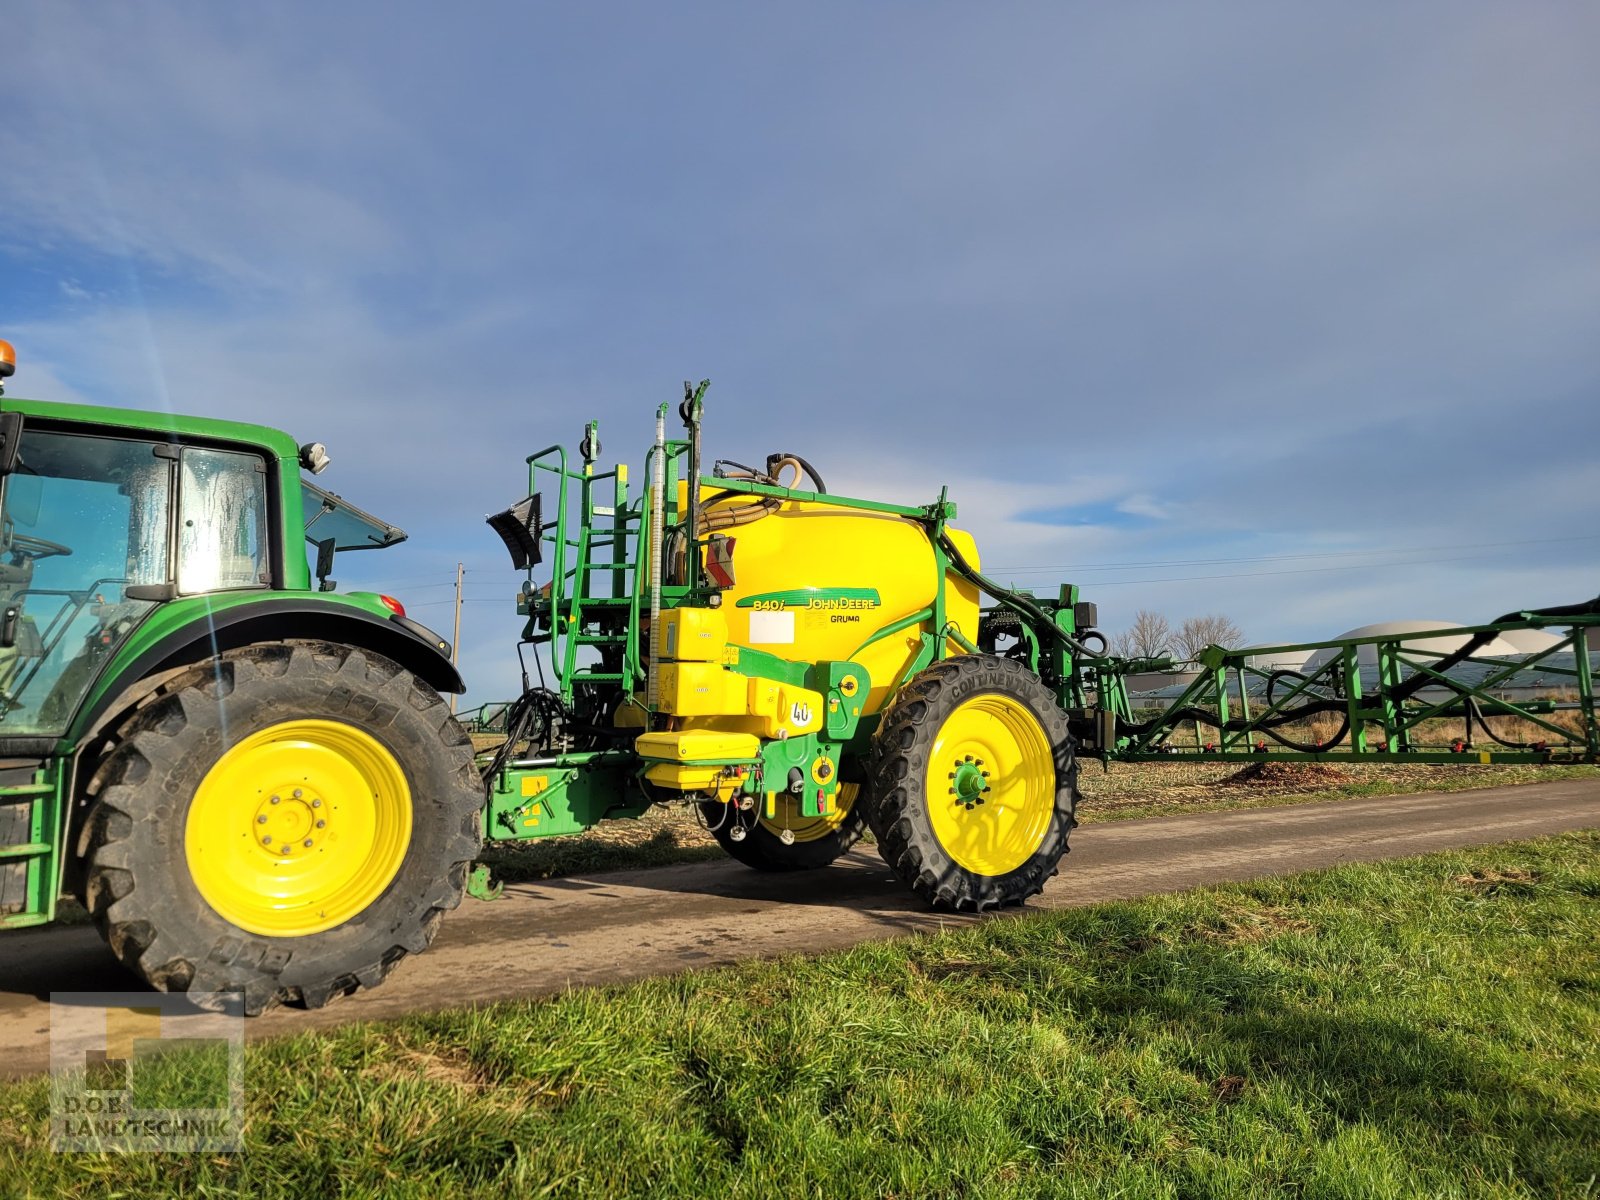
{"x": 222, "y": 521}
{"x": 82, "y": 521}
{"x": 334, "y": 524}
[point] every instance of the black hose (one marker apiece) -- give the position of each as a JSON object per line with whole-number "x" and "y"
{"x": 530, "y": 718}
{"x": 716, "y": 469}
{"x": 1585, "y": 608}
{"x": 1304, "y": 747}
{"x": 1266, "y": 725}
{"x": 1096, "y": 635}
{"x": 1475, "y": 712}
{"x": 816, "y": 479}
{"x": 1016, "y": 601}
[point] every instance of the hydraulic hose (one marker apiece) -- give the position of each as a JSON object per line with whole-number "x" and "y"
{"x": 530, "y": 718}
{"x": 1586, "y": 608}
{"x": 1016, "y": 601}
{"x": 776, "y": 461}
{"x": 1305, "y": 747}
{"x": 1475, "y": 712}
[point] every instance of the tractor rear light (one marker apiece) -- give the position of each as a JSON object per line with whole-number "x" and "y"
{"x": 393, "y": 605}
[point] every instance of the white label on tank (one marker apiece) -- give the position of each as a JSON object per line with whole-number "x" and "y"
{"x": 772, "y": 628}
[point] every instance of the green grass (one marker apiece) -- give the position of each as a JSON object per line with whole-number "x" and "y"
{"x": 1422, "y": 1028}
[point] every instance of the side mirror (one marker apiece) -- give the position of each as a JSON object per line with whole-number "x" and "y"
{"x": 325, "y": 550}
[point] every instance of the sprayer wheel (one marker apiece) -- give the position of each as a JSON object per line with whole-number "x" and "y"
{"x": 817, "y": 840}
{"x": 973, "y": 783}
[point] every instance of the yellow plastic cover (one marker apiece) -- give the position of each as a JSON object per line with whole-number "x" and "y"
{"x": 700, "y": 689}
{"x": 693, "y": 634}
{"x": 697, "y": 745}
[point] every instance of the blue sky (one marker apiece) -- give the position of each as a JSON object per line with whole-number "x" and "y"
{"x": 1249, "y": 308}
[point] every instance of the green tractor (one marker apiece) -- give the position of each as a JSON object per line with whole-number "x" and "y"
{"x": 252, "y": 782}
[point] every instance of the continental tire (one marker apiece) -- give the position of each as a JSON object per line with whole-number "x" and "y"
{"x": 287, "y": 821}
{"x": 817, "y": 840}
{"x": 973, "y": 784}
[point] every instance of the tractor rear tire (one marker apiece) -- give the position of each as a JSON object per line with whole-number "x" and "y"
{"x": 818, "y": 840}
{"x": 352, "y": 763}
{"x": 973, "y": 782}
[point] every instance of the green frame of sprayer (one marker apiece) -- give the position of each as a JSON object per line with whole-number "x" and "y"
{"x": 1384, "y": 719}
{"x": 596, "y": 537}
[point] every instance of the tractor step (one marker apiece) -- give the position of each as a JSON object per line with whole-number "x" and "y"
{"x": 30, "y": 863}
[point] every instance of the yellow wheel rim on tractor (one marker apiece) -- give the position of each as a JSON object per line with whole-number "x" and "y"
{"x": 298, "y": 828}
{"x": 809, "y": 829}
{"x": 991, "y": 784}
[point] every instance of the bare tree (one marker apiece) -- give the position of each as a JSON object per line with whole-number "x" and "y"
{"x": 1150, "y": 636}
{"x": 1195, "y": 634}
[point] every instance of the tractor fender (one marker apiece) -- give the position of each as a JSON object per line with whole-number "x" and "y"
{"x": 400, "y": 639}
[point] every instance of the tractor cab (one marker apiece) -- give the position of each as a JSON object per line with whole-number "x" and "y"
{"x": 95, "y": 530}
{"x": 154, "y": 581}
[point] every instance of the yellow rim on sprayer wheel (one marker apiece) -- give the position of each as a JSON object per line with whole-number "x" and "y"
{"x": 298, "y": 828}
{"x": 809, "y": 829}
{"x": 991, "y": 786}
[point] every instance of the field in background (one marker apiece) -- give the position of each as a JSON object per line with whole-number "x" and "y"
{"x": 1421, "y": 1028}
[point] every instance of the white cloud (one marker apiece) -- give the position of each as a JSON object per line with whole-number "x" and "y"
{"x": 1145, "y": 505}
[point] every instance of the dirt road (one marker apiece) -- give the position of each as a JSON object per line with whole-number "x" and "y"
{"x": 623, "y": 925}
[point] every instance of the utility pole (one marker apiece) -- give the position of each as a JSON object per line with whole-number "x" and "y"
{"x": 455, "y": 639}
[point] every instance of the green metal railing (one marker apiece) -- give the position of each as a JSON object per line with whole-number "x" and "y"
{"x": 598, "y": 541}
{"x": 1410, "y": 694}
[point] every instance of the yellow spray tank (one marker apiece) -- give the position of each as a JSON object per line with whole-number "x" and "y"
{"x": 850, "y": 594}
{"x": 815, "y": 582}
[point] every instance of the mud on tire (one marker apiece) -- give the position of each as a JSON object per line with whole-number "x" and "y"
{"x": 139, "y": 888}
